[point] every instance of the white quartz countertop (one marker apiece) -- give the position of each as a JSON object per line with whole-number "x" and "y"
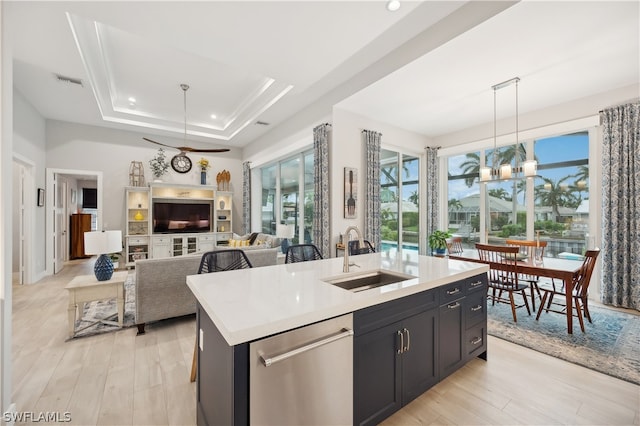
{"x": 249, "y": 304}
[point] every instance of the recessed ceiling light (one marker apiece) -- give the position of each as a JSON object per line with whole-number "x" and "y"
{"x": 393, "y": 5}
{"x": 214, "y": 116}
{"x": 132, "y": 100}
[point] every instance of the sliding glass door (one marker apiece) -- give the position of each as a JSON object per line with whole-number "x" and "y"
{"x": 400, "y": 200}
{"x": 287, "y": 196}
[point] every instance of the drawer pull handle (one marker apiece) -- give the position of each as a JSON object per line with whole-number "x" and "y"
{"x": 453, "y": 305}
{"x": 406, "y": 348}
{"x": 476, "y": 308}
{"x": 476, "y": 284}
{"x": 454, "y": 291}
{"x": 476, "y": 341}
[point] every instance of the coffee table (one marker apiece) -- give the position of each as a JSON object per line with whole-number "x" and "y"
{"x": 86, "y": 288}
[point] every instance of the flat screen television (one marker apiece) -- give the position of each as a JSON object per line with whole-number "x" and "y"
{"x": 173, "y": 217}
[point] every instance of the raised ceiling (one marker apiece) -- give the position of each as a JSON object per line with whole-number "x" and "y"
{"x": 263, "y": 61}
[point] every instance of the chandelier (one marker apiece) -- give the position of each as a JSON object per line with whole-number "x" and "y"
{"x": 506, "y": 171}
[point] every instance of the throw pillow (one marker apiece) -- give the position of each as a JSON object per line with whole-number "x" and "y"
{"x": 252, "y": 238}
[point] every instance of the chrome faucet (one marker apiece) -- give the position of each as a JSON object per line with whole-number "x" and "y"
{"x": 346, "y": 239}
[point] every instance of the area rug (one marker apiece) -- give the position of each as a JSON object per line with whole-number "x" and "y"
{"x": 609, "y": 345}
{"x": 107, "y": 309}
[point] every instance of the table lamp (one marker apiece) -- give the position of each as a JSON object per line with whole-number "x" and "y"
{"x": 285, "y": 232}
{"x": 103, "y": 243}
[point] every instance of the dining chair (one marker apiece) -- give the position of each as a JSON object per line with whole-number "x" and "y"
{"x": 503, "y": 275}
{"x": 218, "y": 261}
{"x": 579, "y": 292}
{"x": 302, "y": 253}
{"x": 527, "y": 248}
{"x": 354, "y": 247}
{"x": 454, "y": 245}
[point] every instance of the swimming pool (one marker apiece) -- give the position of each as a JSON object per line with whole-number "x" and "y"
{"x": 388, "y": 245}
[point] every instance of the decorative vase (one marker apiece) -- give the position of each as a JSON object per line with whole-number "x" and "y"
{"x": 221, "y": 204}
{"x": 203, "y": 178}
{"x": 103, "y": 268}
{"x": 138, "y": 216}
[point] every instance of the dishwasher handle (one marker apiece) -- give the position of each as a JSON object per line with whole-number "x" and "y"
{"x": 267, "y": 361}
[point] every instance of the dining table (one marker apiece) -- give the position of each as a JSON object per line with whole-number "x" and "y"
{"x": 566, "y": 270}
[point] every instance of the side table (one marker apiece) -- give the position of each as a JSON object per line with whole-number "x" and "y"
{"x": 86, "y": 288}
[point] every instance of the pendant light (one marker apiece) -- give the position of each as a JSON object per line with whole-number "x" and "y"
{"x": 505, "y": 171}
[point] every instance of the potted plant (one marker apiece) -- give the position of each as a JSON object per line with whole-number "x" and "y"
{"x": 159, "y": 165}
{"x": 115, "y": 259}
{"x": 438, "y": 242}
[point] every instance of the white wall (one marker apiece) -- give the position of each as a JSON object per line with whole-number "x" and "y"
{"x": 347, "y": 150}
{"x": 557, "y": 119}
{"x": 110, "y": 151}
{"x": 29, "y": 144}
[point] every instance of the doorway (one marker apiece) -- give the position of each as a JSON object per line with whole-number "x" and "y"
{"x": 61, "y": 202}
{"x": 23, "y": 219}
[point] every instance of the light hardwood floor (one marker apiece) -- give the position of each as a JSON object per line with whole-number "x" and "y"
{"x": 123, "y": 379}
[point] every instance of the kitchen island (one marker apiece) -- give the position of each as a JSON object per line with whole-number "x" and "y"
{"x": 407, "y": 335}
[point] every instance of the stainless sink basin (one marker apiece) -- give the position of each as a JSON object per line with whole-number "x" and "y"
{"x": 367, "y": 280}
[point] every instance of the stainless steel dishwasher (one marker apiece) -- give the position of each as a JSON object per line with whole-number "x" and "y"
{"x": 303, "y": 376}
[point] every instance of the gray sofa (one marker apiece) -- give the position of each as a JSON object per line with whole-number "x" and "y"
{"x": 161, "y": 287}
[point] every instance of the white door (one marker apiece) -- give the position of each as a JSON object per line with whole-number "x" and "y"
{"x": 60, "y": 232}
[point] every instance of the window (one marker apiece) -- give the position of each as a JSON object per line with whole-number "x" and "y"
{"x": 554, "y": 205}
{"x": 464, "y": 196}
{"x": 287, "y": 196}
{"x": 561, "y": 193}
{"x": 400, "y": 201}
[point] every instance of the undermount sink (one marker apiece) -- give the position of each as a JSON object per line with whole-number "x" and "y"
{"x": 368, "y": 280}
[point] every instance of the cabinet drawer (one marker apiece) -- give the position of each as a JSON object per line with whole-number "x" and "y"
{"x": 452, "y": 292}
{"x": 138, "y": 241}
{"x": 479, "y": 282}
{"x": 372, "y": 318}
{"x": 476, "y": 340}
{"x": 475, "y": 307}
{"x": 161, "y": 240}
{"x": 206, "y": 238}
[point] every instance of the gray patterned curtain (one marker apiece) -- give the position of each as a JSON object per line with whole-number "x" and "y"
{"x": 621, "y": 206}
{"x": 246, "y": 197}
{"x": 432, "y": 189}
{"x": 372, "y": 216}
{"x": 321, "y": 137}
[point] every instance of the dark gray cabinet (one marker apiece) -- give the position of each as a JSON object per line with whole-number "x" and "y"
{"x": 394, "y": 355}
{"x": 463, "y": 323}
{"x": 403, "y": 347}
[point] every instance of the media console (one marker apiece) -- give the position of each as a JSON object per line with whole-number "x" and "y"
{"x": 165, "y": 220}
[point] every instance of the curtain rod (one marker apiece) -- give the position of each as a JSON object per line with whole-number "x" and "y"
{"x": 630, "y": 101}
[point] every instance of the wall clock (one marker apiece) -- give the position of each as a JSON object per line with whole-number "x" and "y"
{"x": 181, "y": 163}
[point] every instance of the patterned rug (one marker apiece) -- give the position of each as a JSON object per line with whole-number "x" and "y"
{"x": 610, "y": 345}
{"x": 104, "y": 309}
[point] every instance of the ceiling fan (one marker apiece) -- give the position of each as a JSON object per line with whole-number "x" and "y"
{"x": 180, "y": 162}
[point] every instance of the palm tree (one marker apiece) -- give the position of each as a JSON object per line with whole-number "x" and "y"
{"x": 555, "y": 195}
{"x": 471, "y": 167}
{"x": 455, "y": 204}
{"x": 581, "y": 181}
{"x": 499, "y": 193}
{"x": 507, "y": 155}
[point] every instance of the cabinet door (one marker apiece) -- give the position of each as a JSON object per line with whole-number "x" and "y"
{"x": 450, "y": 334}
{"x": 191, "y": 244}
{"x": 419, "y": 368}
{"x": 160, "y": 247}
{"x": 377, "y": 377}
{"x": 177, "y": 246}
